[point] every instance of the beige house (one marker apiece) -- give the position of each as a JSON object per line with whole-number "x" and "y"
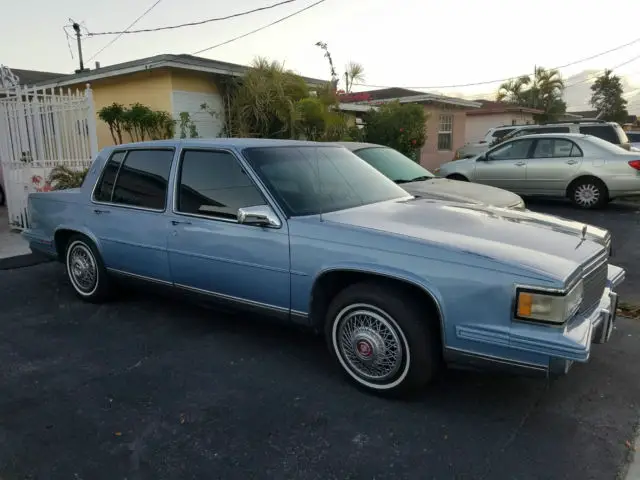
{"x": 446, "y": 122}
{"x": 495, "y": 114}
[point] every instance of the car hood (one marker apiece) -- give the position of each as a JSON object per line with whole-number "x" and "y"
{"x": 528, "y": 242}
{"x": 456, "y": 191}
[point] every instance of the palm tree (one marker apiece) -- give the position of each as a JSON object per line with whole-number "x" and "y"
{"x": 542, "y": 91}
{"x": 264, "y": 104}
{"x": 354, "y": 72}
{"x": 512, "y": 90}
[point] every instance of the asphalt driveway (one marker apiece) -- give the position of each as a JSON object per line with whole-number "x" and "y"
{"x": 147, "y": 388}
{"x": 623, "y": 221}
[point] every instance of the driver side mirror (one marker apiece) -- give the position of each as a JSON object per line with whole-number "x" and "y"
{"x": 482, "y": 158}
{"x": 260, "y": 215}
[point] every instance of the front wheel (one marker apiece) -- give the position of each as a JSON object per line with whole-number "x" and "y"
{"x": 382, "y": 339}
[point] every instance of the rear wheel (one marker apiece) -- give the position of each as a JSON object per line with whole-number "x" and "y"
{"x": 382, "y": 339}
{"x": 589, "y": 193}
{"x": 85, "y": 270}
{"x": 457, "y": 176}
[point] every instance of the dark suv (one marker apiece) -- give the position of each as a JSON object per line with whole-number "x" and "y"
{"x": 609, "y": 131}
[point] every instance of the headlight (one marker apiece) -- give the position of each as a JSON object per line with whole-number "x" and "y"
{"x": 548, "y": 307}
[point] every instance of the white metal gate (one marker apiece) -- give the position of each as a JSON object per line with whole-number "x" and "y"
{"x": 39, "y": 130}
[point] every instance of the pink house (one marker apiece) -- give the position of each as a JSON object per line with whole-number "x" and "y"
{"x": 446, "y": 119}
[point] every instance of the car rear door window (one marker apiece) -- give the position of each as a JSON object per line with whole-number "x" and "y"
{"x": 556, "y": 148}
{"x": 143, "y": 179}
{"x": 604, "y": 132}
{"x": 213, "y": 183}
{"x": 104, "y": 188}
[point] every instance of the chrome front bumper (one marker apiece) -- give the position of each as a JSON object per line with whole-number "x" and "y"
{"x": 572, "y": 343}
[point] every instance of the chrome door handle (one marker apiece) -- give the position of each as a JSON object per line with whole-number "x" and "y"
{"x": 99, "y": 212}
{"x": 520, "y": 164}
{"x": 178, "y": 222}
{"x": 572, "y": 162}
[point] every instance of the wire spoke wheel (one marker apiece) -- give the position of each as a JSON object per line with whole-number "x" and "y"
{"x": 371, "y": 346}
{"x": 82, "y": 268}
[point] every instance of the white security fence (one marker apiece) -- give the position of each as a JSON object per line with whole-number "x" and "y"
{"x": 41, "y": 128}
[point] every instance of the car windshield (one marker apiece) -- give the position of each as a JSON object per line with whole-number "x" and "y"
{"x": 394, "y": 165}
{"x": 307, "y": 180}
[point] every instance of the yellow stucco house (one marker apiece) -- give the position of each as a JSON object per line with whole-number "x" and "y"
{"x": 173, "y": 83}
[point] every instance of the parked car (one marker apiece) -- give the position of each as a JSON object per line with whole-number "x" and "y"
{"x": 417, "y": 180}
{"x": 310, "y": 233}
{"x": 634, "y": 139}
{"x": 610, "y": 131}
{"x": 400, "y": 169}
{"x": 492, "y": 136}
{"x": 586, "y": 169}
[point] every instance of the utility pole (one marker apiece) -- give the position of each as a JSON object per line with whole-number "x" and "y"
{"x": 533, "y": 82}
{"x": 76, "y": 27}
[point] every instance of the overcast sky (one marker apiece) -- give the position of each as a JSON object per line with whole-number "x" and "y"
{"x": 409, "y": 43}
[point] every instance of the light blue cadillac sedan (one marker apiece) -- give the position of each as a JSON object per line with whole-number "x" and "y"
{"x": 310, "y": 233}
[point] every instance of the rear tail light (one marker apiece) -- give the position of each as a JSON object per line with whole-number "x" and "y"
{"x": 635, "y": 164}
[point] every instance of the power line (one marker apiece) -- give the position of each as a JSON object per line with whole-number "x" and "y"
{"x": 191, "y": 24}
{"x": 258, "y": 29}
{"x": 132, "y": 24}
{"x": 488, "y": 82}
{"x": 602, "y": 71}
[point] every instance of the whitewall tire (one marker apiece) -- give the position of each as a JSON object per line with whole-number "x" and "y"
{"x": 85, "y": 270}
{"x": 382, "y": 339}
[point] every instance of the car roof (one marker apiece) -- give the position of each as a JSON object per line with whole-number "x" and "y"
{"x": 559, "y": 134}
{"x": 221, "y": 142}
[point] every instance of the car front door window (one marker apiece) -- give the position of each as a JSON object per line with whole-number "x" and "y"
{"x": 213, "y": 183}
{"x": 511, "y": 151}
{"x": 210, "y": 251}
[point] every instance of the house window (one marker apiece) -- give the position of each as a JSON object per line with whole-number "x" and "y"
{"x": 445, "y": 132}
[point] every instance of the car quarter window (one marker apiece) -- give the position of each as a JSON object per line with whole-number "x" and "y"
{"x": 104, "y": 188}
{"x": 213, "y": 183}
{"x": 143, "y": 178}
{"x": 555, "y": 148}
{"x": 604, "y": 132}
{"x": 512, "y": 151}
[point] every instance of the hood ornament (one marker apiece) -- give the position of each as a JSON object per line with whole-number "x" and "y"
{"x": 584, "y": 233}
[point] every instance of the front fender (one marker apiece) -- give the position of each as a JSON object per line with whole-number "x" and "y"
{"x": 391, "y": 273}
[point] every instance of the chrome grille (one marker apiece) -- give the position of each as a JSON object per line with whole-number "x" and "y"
{"x": 594, "y": 281}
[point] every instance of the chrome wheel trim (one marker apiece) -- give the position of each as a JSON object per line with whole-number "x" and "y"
{"x": 371, "y": 346}
{"x": 82, "y": 268}
{"x": 587, "y": 194}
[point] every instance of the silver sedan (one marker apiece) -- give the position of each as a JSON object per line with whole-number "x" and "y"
{"x": 586, "y": 169}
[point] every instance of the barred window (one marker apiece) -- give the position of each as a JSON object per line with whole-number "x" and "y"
{"x": 445, "y": 132}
